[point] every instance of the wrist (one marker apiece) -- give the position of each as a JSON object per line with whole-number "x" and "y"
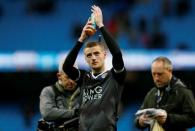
{"x": 81, "y": 39}
{"x": 100, "y": 25}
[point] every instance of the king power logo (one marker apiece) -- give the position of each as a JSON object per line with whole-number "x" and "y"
{"x": 92, "y": 94}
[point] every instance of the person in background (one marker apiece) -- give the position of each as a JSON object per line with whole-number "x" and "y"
{"x": 171, "y": 101}
{"x": 59, "y": 103}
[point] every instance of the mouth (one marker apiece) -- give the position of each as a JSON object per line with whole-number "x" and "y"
{"x": 94, "y": 63}
{"x": 158, "y": 82}
{"x": 71, "y": 87}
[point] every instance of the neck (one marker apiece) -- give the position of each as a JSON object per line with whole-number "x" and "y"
{"x": 162, "y": 88}
{"x": 60, "y": 87}
{"x": 98, "y": 71}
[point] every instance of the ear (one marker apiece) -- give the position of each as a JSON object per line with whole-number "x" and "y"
{"x": 86, "y": 59}
{"x": 171, "y": 71}
{"x": 59, "y": 75}
{"x": 105, "y": 54}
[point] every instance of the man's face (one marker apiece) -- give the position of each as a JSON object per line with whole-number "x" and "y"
{"x": 161, "y": 75}
{"x": 95, "y": 57}
{"x": 66, "y": 82}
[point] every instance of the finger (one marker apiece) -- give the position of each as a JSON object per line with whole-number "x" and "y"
{"x": 92, "y": 8}
{"x": 95, "y": 8}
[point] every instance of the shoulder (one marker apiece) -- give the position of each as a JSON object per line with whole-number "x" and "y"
{"x": 82, "y": 72}
{"x": 181, "y": 88}
{"x": 177, "y": 84}
{"x": 151, "y": 93}
{"x": 153, "y": 90}
{"x": 47, "y": 91}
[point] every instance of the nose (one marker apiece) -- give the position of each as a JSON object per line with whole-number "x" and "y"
{"x": 71, "y": 81}
{"x": 156, "y": 76}
{"x": 93, "y": 57}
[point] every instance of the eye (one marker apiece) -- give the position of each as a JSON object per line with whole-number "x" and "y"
{"x": 96, "y": 53}
{"x": 89, "y": 55}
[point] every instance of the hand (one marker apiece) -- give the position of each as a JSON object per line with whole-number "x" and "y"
{"x": 144, "y": 120}
{"x": 97, "y": 15}
{"x": 84, "y": 36}
{"x": 161, "y": 116}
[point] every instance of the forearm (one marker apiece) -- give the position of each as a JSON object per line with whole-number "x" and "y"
{"x": 117, "y": 60}
{"x": 112, "y": 45}
{"x": 49, "y": 110}
{"x": 70, "y": 60}
{"x": 54, "y": 113}
{"x": 177, "y": 120}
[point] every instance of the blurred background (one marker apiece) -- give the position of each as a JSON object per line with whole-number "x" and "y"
{"x": 36, "y": 34}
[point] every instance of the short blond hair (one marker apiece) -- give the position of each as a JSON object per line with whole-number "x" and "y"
{"x": 94, "y": 43}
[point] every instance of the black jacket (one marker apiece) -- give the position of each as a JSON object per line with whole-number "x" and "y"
{"x": 179, "y": 103}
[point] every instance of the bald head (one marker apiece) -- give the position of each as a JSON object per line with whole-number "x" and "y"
{"x": 161, "y": 70}
{"x": 165, "y": 62}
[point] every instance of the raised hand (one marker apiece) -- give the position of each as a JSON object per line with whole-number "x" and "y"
{"x": 88, "y": 26}
{"x": 98, "y": 15}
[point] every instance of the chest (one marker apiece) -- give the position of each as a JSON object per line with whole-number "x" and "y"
{"x": 66, "y": 102}
{"x": 171, "y": 102}
{"x": 99, "y": 89}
